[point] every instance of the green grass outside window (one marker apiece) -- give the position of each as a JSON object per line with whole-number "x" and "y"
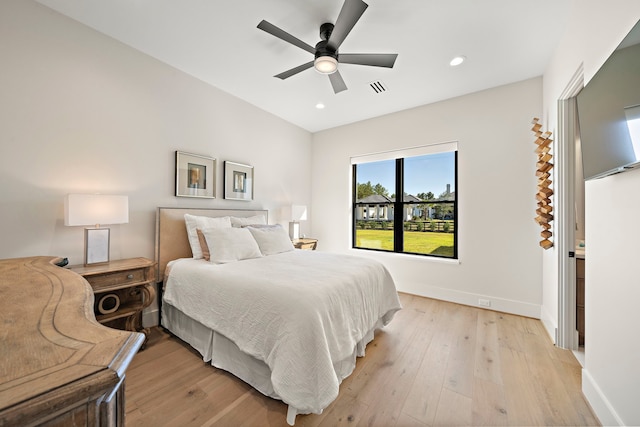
{"x": 432, "y": 243}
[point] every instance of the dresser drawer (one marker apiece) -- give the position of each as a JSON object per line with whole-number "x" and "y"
{"x": 116, "y": 279}
{"x": 579, "y": 268}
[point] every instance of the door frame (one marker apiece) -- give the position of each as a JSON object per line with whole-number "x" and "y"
{"x": 566, "y": 218}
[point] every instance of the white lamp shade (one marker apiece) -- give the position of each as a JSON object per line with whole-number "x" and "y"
{"x": 94, "y": 209}
{"x": 298, "y": 212}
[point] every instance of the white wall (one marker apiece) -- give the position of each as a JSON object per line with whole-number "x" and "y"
{"x": 611, "y": 375}
{"x": 81, "y": 112}
{"x": 498, "y": 238}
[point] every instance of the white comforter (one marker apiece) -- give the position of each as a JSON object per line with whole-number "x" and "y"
{"x": 300, "y": 312}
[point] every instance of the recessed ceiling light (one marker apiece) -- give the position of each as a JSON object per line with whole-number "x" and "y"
{"x": 457, "y": 60}
{"x": 319, "y": 105}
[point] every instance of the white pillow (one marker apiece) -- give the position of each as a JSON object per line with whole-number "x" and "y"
{"x": 194, "y": 222}
{"x": 241, "y": 222}
{"x": 230, "y": 244}
{"x": 271, "y": 240}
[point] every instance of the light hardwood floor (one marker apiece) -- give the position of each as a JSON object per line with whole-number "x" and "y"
{"x": 435, "y": 364}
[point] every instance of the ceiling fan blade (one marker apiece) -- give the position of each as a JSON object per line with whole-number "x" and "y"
{"x": 374, "y": 59}
{"x": 283, "y": 35}
{"x": 349, "y": 15}
{"x": 337, "y": 82}
{"x": 295, "y": 70}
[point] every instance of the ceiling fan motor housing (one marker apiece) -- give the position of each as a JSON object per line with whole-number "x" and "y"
{"x": 322, "y": 48}
{"x": 325, "y": 30}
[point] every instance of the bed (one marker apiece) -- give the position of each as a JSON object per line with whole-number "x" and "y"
{"x": 289, "y": 323}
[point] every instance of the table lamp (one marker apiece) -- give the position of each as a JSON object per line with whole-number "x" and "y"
{"x": 95, "y": 209}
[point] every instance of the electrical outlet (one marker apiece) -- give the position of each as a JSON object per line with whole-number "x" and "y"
{"x": 484, "y": 302}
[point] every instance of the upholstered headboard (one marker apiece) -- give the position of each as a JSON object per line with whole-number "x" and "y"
{"x": 171, "y": 232}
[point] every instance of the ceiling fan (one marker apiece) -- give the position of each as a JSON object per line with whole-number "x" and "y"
{"x": 326, "y": 53}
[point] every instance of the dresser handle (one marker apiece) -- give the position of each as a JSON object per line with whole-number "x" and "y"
{"x": 130, "y": 276}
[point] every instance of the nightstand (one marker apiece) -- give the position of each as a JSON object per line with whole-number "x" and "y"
{"x": 122, "y": 290}
{"x": 308, "y": 244}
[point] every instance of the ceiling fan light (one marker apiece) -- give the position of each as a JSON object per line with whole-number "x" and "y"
{"x": 326, "y": 64}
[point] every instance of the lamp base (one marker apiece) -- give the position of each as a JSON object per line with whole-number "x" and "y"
{"x": 96, "y": 245}
{"x": 294, "y": 230}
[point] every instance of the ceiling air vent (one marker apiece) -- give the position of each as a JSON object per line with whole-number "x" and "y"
{"x": 378, "y": 86}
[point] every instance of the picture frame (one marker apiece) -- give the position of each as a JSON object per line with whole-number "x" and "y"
{"x": 238, "y": 181}
{"x": 195, "y": 175}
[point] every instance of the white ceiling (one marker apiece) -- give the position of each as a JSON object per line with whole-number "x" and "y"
{"x": 217, "y": 41}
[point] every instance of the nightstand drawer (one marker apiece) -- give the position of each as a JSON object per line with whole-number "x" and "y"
{"x": 308, "y": 246}
{"x": 115, "y": 280}
{"x": 305, "y": 243}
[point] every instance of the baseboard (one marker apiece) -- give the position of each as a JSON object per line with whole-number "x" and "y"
{"x": 472, "y": 299}
{"x": 550, "y": 324}
{"x": 599, "y": 402}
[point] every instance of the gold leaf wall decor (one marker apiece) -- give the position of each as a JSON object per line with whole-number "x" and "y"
{"x": 544, "y": 212}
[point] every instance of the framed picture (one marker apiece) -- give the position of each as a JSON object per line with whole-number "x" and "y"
{"x": 238, "y": 181}
{"x": 195, "y": 175}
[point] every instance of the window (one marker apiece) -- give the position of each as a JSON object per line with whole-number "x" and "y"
{"x": 423, "y": 221}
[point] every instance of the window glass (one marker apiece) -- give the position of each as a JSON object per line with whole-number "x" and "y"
{"x": 429, "y": 186}
{"x": 375, "y": 182}
{"x": 423, "y": 220}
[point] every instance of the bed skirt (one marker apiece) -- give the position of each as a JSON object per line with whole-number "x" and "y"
{"x": 224, "y": 354}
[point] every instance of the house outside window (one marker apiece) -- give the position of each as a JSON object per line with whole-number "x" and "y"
{"x": 424, "y": 220}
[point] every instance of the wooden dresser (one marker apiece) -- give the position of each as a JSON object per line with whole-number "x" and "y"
{"x": 59, "y": 366}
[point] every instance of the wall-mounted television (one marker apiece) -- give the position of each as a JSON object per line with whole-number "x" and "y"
{"x": 609, "y": 112}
